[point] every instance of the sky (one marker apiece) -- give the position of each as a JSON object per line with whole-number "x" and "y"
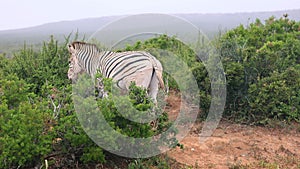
{"x": 16, "y": 14}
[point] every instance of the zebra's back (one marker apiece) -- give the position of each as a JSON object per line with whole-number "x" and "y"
{"x": 124, "y": 67}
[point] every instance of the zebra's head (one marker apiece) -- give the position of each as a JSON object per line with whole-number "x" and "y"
{"x": 75, "y": 67}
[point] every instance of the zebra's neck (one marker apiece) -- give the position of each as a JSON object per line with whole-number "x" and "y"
{"x": 89, "y": 59}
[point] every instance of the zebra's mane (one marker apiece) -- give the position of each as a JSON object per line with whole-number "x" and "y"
{"x": 77, "y": 45}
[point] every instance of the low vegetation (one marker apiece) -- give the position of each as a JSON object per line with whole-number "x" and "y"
{"x": 262, "y": 67}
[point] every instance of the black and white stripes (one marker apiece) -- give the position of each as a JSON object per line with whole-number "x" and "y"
{"x": 123, "y": 67}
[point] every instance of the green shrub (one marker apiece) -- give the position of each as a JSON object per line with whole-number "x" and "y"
{"x": 276, "y": 97}
{"x": 73, "y": 144}
{"x": 49, "y": 65}
{"x": 256, "y": 60}
{"x": 73, "y": 138}
{"x": 24, "y": 136}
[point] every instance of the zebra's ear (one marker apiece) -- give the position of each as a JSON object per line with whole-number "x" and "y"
{"x": 71, "y": 48}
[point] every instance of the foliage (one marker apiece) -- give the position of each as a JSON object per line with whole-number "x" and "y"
{"x": 24, "y": 136}
{"x": 159, "y": 162}
{"x": 256, "y": 60}
{"x": 37, "y": 68}
{"x": 37, "y": 116}
{"x": 73, "y": 143}
{"x": 276, "y": 97}
{"x": 117, "y": 116}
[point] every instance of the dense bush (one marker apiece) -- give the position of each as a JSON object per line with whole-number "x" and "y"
{"x": 118, "y": 112}
{"x": 276, "y": 97}
{"x": 261, "y": 63}
{"x": 49, "y": 65}
{"x": 24, "y": 134}
{"x": 37, "y": 116}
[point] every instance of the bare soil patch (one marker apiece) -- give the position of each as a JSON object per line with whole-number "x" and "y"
{"x": 237, "y": 146}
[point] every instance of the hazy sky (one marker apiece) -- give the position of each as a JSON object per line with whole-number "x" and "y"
{"x": 24, "y": 13}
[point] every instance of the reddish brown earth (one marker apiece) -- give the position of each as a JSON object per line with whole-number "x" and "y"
{"x": 237, "y": 146}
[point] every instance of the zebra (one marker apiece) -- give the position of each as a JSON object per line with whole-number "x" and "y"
{"x": 123, "y": 67}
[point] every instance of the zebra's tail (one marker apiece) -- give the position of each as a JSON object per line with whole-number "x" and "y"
{"x": 158, "y": 70}
{"x": 159, "y": 76}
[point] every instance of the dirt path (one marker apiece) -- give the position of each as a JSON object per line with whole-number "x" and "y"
{"x": 238, "y": 146}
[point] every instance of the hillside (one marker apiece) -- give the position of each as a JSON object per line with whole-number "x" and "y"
{"x": 208, "y": 23}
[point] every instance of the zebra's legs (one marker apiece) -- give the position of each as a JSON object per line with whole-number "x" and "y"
{"x": 153, "y": 88}
{"x": 100, "y": 87}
